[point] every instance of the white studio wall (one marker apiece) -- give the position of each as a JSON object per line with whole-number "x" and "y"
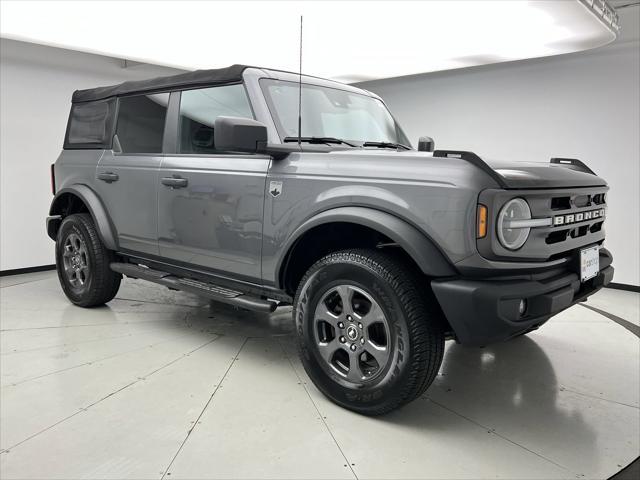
{"x": 582, "y": 105}
{"x": 37, "y": 83}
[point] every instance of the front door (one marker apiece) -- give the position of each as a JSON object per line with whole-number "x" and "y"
{"x": 210, "y": 203}
{"x": 127, "y": 177}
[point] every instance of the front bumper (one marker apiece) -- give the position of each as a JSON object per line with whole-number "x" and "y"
{"x": 484, "y": 311}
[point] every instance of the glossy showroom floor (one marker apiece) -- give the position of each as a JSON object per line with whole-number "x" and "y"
{"x": 157, "y": 384}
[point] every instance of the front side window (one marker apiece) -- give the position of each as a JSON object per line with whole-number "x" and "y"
{"x": 330, "y": 112}
{"x": 140, "y": 124}
{"x": 199, "y": 110}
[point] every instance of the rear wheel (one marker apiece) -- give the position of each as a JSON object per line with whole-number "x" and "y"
{"x": 82, "y": 262}
{"x": 368, "y": 336}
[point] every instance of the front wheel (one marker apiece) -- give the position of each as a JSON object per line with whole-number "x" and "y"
{"x": 82, "y": 262}
{"x": 369, "y": 337}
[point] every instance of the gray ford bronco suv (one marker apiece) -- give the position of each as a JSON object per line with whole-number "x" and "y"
{"x": 247, "y": 187}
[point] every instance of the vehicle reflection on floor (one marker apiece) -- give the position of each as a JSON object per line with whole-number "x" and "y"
{"x": 161, "y": 382}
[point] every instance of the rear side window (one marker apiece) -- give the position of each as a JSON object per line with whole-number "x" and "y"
{"x": 140, "y": 124}
{"x": 90, "y": 125}
{"x": 199, "y": 110}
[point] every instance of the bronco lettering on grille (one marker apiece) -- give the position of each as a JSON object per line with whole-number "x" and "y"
{"x": 577, "y": 217}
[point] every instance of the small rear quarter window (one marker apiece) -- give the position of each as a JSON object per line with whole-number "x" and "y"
{"x": 90, "y": 125}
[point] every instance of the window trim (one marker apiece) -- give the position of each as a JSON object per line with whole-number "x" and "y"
{"x": 172, "y": 124}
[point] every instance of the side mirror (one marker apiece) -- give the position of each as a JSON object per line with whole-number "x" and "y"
{"x": 426, "y": 144}
{"x": 233, "y": 134}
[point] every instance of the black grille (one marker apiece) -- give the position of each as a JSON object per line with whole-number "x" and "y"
{"x": 557, "y": 236}
{"x": 561, "y": 203}
{"x": 567, "y": 202}
{"x": 575, "y": 204}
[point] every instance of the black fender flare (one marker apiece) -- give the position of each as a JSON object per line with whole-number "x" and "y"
{"x": 422, "y": 249}
{"x": 101, "y": 219}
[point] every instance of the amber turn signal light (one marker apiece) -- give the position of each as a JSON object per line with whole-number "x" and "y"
{"x": 482, "y": 221}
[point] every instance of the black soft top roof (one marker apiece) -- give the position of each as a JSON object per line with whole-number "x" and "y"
{"x": 183, "y": 80}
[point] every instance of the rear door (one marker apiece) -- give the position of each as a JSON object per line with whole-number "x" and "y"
{"x": 127, "y": 177}
{"x": 210, "y": 202}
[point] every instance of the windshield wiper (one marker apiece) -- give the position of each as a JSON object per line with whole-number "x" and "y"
{"x": 385, "y": 145}
{"x": 318, "y": 140}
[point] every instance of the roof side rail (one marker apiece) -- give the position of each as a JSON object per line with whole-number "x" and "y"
{"x": 574, "y": 162}
{"x": 474, "y": 160}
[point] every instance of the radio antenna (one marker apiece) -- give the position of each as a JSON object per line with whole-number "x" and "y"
{"x": 300, "y": 90}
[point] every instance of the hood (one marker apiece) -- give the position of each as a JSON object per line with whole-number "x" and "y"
{"x": 456, "y": 167}
{"x": 523, "y": 175}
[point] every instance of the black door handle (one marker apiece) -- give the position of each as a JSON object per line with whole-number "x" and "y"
{"x": 108, "y": 177}
{"x": 175, "y": 182}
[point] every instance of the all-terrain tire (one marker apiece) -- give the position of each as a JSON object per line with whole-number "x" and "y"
{"x": 415, "y": 338}
{"x": 82, "y": 263}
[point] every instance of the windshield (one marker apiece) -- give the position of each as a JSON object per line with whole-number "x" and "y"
{"x": 330, "y": 112}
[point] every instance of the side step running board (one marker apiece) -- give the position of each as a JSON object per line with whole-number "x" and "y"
{"x": 208, "y": 290}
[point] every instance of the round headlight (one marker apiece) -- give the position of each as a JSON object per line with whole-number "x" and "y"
{"x": 511, "y": 235}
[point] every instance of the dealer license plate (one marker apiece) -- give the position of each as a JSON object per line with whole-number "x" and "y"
{"x": 589, "y": 262}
